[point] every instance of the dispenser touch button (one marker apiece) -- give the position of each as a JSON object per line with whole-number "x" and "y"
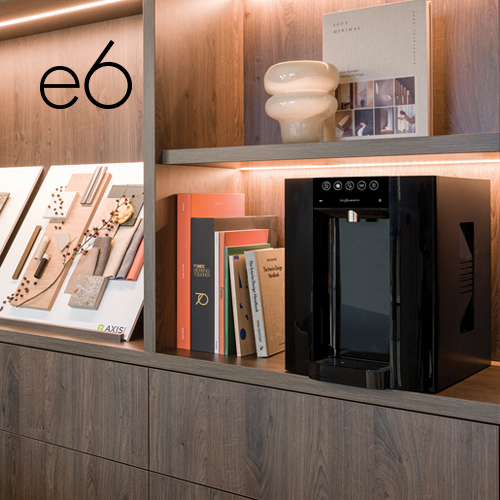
{"x": 337, "y": 186}
{"x": 349, "y": 185}
{"x": 373, "y": 185}
{"x": 326, "y": 186}
{"x": 361, "y": 185}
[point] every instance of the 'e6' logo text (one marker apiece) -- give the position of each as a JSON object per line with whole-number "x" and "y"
{"x": 98, "y": 64}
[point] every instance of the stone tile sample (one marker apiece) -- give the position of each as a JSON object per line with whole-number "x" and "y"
{"x": 88, "y": 292}
{"x": 59, "y": 206}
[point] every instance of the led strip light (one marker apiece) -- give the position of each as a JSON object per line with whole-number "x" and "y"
{"x": 395, "y": 164}
{"x": 57, "y": 12}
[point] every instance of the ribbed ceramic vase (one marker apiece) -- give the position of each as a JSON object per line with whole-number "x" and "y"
{"x": 301, "y": 98}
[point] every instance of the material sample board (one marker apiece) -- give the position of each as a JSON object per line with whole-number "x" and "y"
{"x": 122, "y": 301}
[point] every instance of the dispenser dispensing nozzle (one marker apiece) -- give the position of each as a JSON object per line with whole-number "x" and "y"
{"x": 352, "y": 216}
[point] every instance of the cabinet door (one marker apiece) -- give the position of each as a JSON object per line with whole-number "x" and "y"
{"x": 30, "y": 469}
{"x": 168, "y": 488}
{"x": 90, "y": 405}
{"x": 278, "y": 445}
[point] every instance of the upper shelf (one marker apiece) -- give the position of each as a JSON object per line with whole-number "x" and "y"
{"x": 17, "y": 9}
{"x": 322, "y": 153}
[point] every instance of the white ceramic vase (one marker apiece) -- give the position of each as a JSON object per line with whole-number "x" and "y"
{"x": 301, "y": 98}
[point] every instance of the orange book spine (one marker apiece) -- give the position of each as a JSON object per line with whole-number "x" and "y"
{"x": 184, "y": 271}
{"x": 196, "y": 205}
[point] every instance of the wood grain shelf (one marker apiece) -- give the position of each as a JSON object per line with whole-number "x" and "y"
{"x": 324, "y": 153}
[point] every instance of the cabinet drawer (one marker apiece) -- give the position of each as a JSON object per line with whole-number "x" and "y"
{"x": 89, "y": 405}
{"x": 31, "y": 469}
{"x": 168, "y": 488}
{"x": 278, "y": 445}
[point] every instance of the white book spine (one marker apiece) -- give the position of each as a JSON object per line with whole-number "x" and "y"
{"x": 256, "y": 304}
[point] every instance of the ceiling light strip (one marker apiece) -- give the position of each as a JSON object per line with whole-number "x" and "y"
{"x": 57, "y": 12}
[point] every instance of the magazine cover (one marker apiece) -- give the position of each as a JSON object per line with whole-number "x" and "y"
{"x": 383, "y": 56}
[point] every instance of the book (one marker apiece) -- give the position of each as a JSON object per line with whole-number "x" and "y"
{"x": 266, "y": 278}
{"x": 225, "y": 239}
{"x": 203, "y": 291}
{"x": 242, "y": 312}
{"x": 196, "y": 205}
{"x": 229, "y": 331}
{"x": 383, "y": 57}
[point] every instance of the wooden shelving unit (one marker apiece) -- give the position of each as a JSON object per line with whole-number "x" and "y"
{"x": 198, "y": 98}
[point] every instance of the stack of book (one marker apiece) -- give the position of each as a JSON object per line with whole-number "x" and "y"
{"x": 215, "y": 299}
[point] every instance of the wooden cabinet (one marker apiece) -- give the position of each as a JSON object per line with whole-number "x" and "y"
{"x": 168, "y": 488}
{"x": 30, "y": 469}
{"x": 94, "y": 406}
{"x": 271, "y": 445}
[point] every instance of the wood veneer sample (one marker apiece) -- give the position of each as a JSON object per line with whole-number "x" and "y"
{"x": 26, "y": 252}
{"x": 78, "y": 221}
{"x": 3, "y": 199}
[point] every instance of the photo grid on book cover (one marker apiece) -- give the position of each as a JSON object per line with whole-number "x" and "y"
{"x": 376, "y": 107}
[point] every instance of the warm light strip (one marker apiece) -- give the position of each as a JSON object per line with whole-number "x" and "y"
{"x": 399, "y": 164}
{"x": 57, "y": 12}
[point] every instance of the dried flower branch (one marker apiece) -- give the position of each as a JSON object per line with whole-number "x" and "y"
{"x": 82, "y": 248}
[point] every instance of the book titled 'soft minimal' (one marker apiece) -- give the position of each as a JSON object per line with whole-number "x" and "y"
{"x": 383, "y": 57}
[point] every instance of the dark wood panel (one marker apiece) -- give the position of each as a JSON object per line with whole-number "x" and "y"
{"x": 19, "y": 9}
{"x": 421, "y": 457}
{"x": 84, "y": 404}
{"x": 33, "y": 133}
{"x": 464, "y": 52}
{"x": 270, "y": 444}
{"x": 30, "y": 469}
{"x": 199, "y": 74}
{"x": 465, "y": 66}
{"x": 168, "y": 488}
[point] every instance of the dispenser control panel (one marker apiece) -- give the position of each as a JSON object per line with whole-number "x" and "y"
{"x": 351, "y": 192}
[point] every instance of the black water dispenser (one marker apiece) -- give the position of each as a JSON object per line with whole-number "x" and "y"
{"x": 388, "y": 280}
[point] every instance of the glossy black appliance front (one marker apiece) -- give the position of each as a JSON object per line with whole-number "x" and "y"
{"x": 387, "y": 280}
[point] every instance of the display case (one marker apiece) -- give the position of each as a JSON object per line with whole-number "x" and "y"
{"x": 217, "y": 137}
